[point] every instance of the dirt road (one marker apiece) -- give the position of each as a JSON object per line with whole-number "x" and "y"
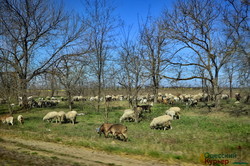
{"x": 17, "y": 151}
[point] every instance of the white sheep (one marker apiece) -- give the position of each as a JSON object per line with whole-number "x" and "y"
{"x": 161, "y": 122}
{"x": 174, "y": 112}
{"x": 50, "y": 116}
{"x": 20, "y": 119}
{"x": 61, "y": 116}
{"x": 128, "y": 114}
{"x": 71, "y": 116}
{"x": 170, "y": 113}
{"x": 224, "y": 96}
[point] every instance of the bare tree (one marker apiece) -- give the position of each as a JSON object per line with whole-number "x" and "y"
{"x": 198, "y": 27}
{"x": 34, "y": 32}
{"x": 70, "y": 71}
{"x": 51, "y": 76}
{"x": 235, "y": 16}
{"x": 154, "y": 41}
{"x": 101, "y": 25}
{"x": 131, "y": 70}
{"x": 8, "y": 86}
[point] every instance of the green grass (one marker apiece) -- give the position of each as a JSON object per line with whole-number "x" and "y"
{"x": 198, "y": 131}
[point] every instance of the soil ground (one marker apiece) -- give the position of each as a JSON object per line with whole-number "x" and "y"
{"x": 17, "y": 151}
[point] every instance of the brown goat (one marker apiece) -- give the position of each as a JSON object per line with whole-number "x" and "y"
{"x": 118, "y": 130}
{"x": 104, "y": 129}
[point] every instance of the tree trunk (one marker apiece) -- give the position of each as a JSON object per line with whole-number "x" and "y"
{"x": 106, "y": 112}
{"x": 155, "y": 95}
{"x": 52, "y": 86}
{"x": 99, "y": 94}
{"x": 216, "y": 90}
{"x": 231, "y": 86}
{"x": 23, "y": 90}
{"x": 155, "y": 89}
{"x": 69, "y": 100}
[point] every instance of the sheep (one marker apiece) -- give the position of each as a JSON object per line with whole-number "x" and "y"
{"x": 128, "y": 114}
{"x": 224, "y": 96}
{"x": 118, "y": 130}
{"x": 61, "y": 116}
{"x": 161, "y": 122}
{"x": 50, "y": 116}
{"x": 192, "y": 102}
{"x": 132, "y": 115}
{"x": 71, "y": 116}
{"x": 177, "y": 111}
{"x": 20, "y": 119}
{"x": 146, "y": 107}
{"x": 170, "y": 113}
{"x": 173, "y": 114}
{"x": 104, "y": 129}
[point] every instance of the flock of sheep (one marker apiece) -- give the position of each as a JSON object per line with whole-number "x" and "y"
{"x": 119, "y": 131}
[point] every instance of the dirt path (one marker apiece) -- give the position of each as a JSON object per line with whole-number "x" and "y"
{"x": 58, "y": 154}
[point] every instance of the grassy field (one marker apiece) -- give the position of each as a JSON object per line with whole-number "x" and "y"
{"x": 199, "y": 130}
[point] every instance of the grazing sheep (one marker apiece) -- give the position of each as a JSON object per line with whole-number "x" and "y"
{"x": 174, "y": 112}
{"x": 61, "y": 116}
{"x": 132, "y": 115}
{"x": 161, "y": 122}
{"x": 170, "y": 113}
{"x": 129, "y": 115}
{"x": 104, "y": 129}
{"x": 224, "y": 96}
{"x": 176, "y": 109}
{"x": 71, "y": 116}
{"x": 20, "y": 119}
{"x": 50, "y": 116}
{"x": 146, "y": 108}
{"x": 118, "y": 130}
{"x": 192, "y": 102}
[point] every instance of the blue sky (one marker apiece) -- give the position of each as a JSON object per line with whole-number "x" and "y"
{"x": 129, "y": 10}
